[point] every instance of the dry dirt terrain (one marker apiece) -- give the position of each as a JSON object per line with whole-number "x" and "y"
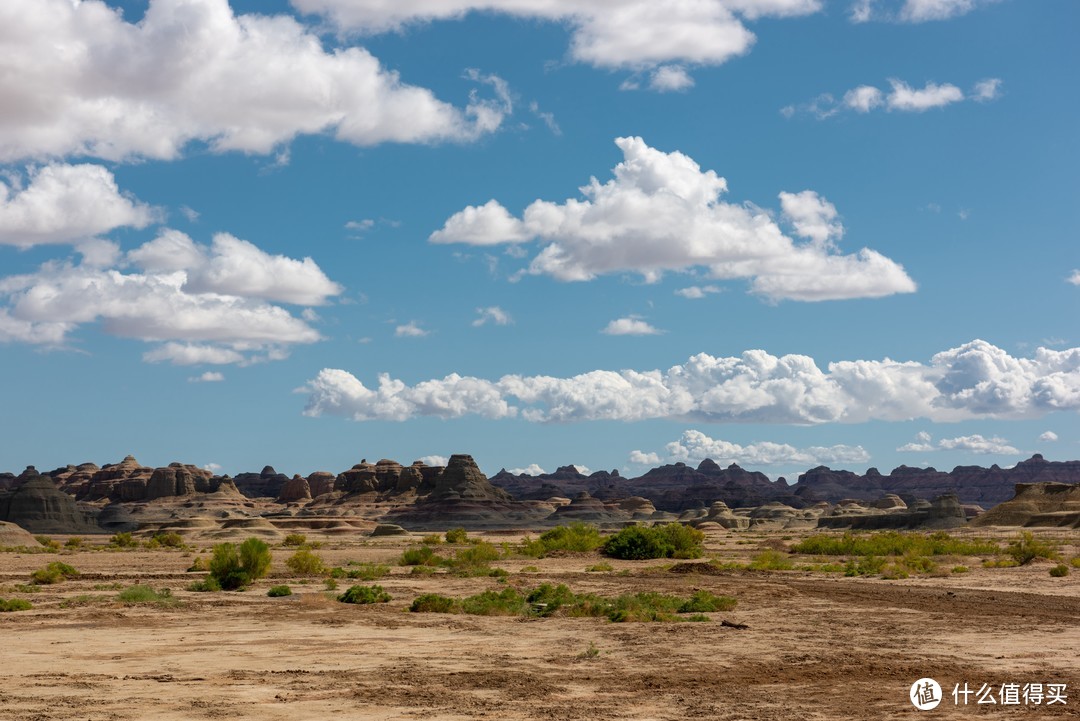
{"x": 816, "y": 645}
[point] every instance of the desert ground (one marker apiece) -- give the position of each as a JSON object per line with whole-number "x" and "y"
{"x": 816, "y": 644}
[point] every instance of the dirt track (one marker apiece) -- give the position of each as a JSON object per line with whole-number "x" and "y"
{"x": 817, "y": 646}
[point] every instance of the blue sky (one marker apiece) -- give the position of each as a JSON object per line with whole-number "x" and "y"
{"x": 218, "y": 230}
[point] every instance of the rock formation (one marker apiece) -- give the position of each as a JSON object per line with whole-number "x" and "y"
{"x": 39, "y": 506}
{"x": 1037, "y": 504}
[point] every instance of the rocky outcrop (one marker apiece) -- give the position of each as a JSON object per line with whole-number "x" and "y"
{"x": 321, "y": 482}
{"x": 295, "y": 490}
{"x": 15, "y": 536}
{"x": 1044, "y": 504}
{"x": 39, "y": 506}
{"x": 265, "y": 484}
{"x": 943, "y": 512}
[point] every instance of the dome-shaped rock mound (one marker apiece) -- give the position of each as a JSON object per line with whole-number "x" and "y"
{"x": 1037, "y": 504}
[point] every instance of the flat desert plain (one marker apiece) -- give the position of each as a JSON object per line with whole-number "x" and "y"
{"x": 816, "y": 644}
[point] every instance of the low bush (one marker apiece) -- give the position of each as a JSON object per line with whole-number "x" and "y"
{"x": 1027, "y": 548}
{"x": 434, "y": 603}
{"x": 1075, "y": 562}
{"x": 279, "y": 591}
{"x": 365, "y": 594}
{"x": 602, "y": 567}
{"x": 507, "y": 602}
{"x": 419, "y": 556}
{"x": 168, "y": 540}
{"x": 705, "y": 602}
{"x": 864, "y": 566}
{"x": 457, "y": 535}
{"x": 999, "y": 562}
{"x": 139, "y": 595}
{"x": 294, "y": 539}
{"x": 207, "y": 585}
{"x": 55, "y": 572}
{"x": 199, "y": 564}
{"x": 894, "y": 543}
{"x": 1059, "y": 570}
{"x": 432, "y": 539}
{"x": 234, "y": 568}
{"x": 671, "y": 540}
{"x": 960, "y": 569}
{"x": 74, "y": 542}
{"x": 577, "y": 537}
{"x": 771, "y": 561}
{"x": 15, "y": 604}
{"x": 306, "y": 563}
{"x": 123, "y": 540}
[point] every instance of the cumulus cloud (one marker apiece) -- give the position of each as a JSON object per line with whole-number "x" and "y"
{"x": 532, "y": 469}
{"x": 492, "y": 314}
{"x": 1074, "y": 278}
{"x": 697, "y": 292}
{"x": 76, "y": 78}
{"x": 812, "y": 216}
{"x": 974, "y": 444}
{"x": 695, "y": 446}
{"x": 208, "y": 377}
{"x": 901, "y": 98}
{"x": 1048, "y": 437}
{"x": 615, "y": 33}
{"x": 660, "y": 213}
{"x": 66, "y": 204}
{"x": 641, "y": 458}
{"x": 203, "y": 304}
{"x": 435, "y": 460}
{"x": 975, "y": 380}
{"x": 670, "y": 79}
{"x": 631, "y": 325}
{"x": 411, "y": 329}
{"x": 912, "y": 11}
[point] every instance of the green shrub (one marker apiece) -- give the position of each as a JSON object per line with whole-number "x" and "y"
{"x": 14, "y": 604}
{"x": 577, "y": 537}
{"x": 331, "y": 584}
{"x": 234, "y": 568}
{"x": 647, "y": 606}
{"x": 865, "y": 566}
{"x": 602, "y": 567}
{"x": 365, "y": 594}
{"x": 306, "y": 563}
{"x": 278, "y": 591}
{"x": 139, "y": 594}
{"x": 546, "y": 599}
{"x": 507, "y": 602}
{"x": 705, "y": 602}
{"x": 199, "y": 564}
{"x": 893, "y": 543}
{"x": 419, "y": 556}
{"x": 457, "y": 535}
{"x": 433, "y": 603}
{"x": 422, "y": 571}
{"x": 368, "y": 571}
{"x": 479, "y": 554}
{"x": 169, "y": 540}
{"x": 1000, "y": 562}
{"x": 27, "y": 588}
{"x": 771, "y": 561}
{"x": 1059, "y": 570}
{"x": 294, "y": 539}
{"x": 671, "y": 540}
{"x": 1027, "y": 548}
{"x": 960, "y": 569}
{"x": 43, "y": 540}
{"x": 432, "y": 539}
{"x": 55, "y": 572}
{"x": 207, "y": 585}
{"x": 74, "y": 542}
{"x": 1075, "y": 562}
{"x": 123, "y": 540}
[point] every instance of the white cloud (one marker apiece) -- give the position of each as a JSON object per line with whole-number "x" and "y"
{"x": 670, "y": 78}
{"x": 548, "y": 118}
{"x": 922, "y": 444}
{"x": 978, "y": 444}
{"x": 213, "y": 467}
{"x": 661, "y": 212}
{"x": 205, "y": 305}
{"x": 903, "y": 97}
{"x": 911, "y": 11}
{"x": 863, "y": 98}
{"x": 974, "y": 381}
{"x": 932, "y": 95}
{"x": 76, "y": 78}
{"x": 410, "y": 330}
{"x": 435, "y": 460}
{"x": 812, "y": 216}
{"x": 492, "y": 314}
{"x": 696, "y": 446}
{"x": 190, "y": 214}
{"x": 65, "y": 204}
{"x": 359, "y": 227}
{"x": 583, "y": 470}
{"x": 615, "y": 33}
{"x": 1074, "y": 278}
{"x": 630, "y": 326}
{"x": 531, "y": 470}
{"x": 986, "y": 90}
{"x": 208, "y": 377}
{"x": 697, "y": 292}
{"x": 1048, "y": 437}
{"x": 644, "y": 459}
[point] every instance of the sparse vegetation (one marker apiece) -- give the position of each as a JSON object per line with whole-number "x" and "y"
{"x": 365, "y": 594}
{"x": 73, "y": 543}
{"x": 432, "y": 539}
{"x": 306, "y": 563}
{"x": 602, "y": 567}
{"x": 199, "y": 564}
{"x": 864, "y": 566}
{"x": 361, "y": 571}
{"x": 590, "y": 653}
{"x": 771, "y": 561}
{"x": 671, "y": 540}
{"x": 233, "y": 568}
{"x": 960, "y": 569}
{"x": 894, "y": 543}
{"x": 1059, "y": 570}
{"x": 576, "y": 538}
{"x": 123, "y": 540}
{"x": 55, "y": 572}
{"x": 279, "y": 591}
{"x": 433, "y": 603}
{"x": 166, "y": 540}
{"x": 457, "y": 535}
{"x": 207, "y": 585}
{"x": 294, "y": 539}
{"x": 145, "y": 595}
{"x": 419, "y": 556}
{"x": 15, "y": 604}
{"x": 1027, "y": 548}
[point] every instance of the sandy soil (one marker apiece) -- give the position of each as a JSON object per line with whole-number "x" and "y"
{"x": 816, "y": 646}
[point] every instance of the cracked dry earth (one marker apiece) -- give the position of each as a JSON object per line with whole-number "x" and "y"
{"x": 816, "y": 646}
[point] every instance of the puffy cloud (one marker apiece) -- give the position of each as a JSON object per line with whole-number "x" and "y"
{"x": 435, "y": 460}
{"x": 932, "y": 95}
{"x": 492, "y": 314}
{"x": 76, "y": 78}
{"x": 1048, "y": 437}
{"x": 978, "y": 444}
{"x": 410, "y": 330}
{"x": 208, "y": 377}
{"x": 630, "y": 326}
{"x": 641, "y": 458}
{"x": 614, "y": 33}
{"x": 1074, "y": 278}
{"x": 911, "y": 11}
{"x": 583, "y": 470}
{"x": 660, "y": 213}
{"x": 66, "y": 204}
{"x": 922, "y": 444}
{"x": 222, "y": 317}
{"x": 696, "y": 446}
{"x": 812, "y": 216}
{"x": 670, "y": 78}
{"x": 532, "y": 469}
{"x": 975, "y": 380}
{"x": 697, "y": 292}
{"x": 903, "y": 97}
